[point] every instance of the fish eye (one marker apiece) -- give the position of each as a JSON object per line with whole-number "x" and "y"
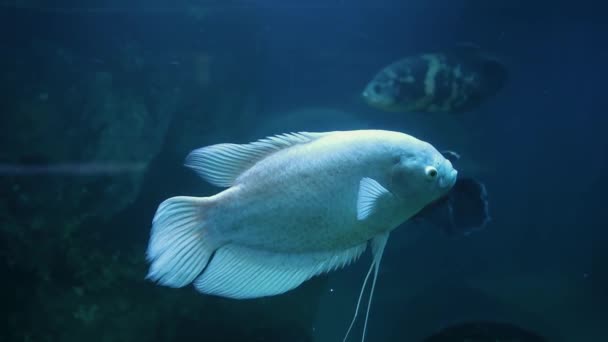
{"x": 431, "y": 172}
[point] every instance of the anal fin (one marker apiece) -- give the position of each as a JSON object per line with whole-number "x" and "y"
{"x": 241, "y": 272}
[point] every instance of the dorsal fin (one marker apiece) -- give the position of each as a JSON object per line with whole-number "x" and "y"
{"x": 221, "y": 164}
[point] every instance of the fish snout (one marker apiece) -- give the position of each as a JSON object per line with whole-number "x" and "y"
{"x": 370, "y": 98}
{"x": 450, "y": 175}
{"x": 376, "y": 99}
{"x": 453, "y": 177}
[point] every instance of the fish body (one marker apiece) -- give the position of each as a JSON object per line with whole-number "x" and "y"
{"x": 297, "y": 205}
{"x": 313, "y": 191}
{"x": 456, "y": 80}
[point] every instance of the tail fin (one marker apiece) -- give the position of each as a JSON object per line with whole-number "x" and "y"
{"x": 179, "y": 246}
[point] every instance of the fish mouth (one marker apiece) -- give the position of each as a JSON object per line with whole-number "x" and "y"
{"x": 368, "y": 97}
{"x": 375, "y": 101}
{"x": 370, "y": 101}
{"x": 453, "y": 177}
{"x": 449, "y": 180}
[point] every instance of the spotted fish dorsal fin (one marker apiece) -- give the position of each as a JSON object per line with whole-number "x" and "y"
{"x": 222, "y": 164}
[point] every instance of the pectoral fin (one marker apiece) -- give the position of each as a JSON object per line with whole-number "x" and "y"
{"x": 371, "y": 193}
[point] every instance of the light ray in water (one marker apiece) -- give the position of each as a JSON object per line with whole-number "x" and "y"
{"x": 71, "y": 169}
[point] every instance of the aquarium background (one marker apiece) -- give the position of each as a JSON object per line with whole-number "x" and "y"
{"x": 102, "y": 100}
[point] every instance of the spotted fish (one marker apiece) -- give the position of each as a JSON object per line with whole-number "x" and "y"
{"x": 457, "y": 80}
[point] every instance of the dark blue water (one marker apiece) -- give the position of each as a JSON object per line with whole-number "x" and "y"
{"x": 143, "y": 84}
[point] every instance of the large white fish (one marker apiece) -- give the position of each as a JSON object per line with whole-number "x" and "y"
{"x": 297, "y": 205}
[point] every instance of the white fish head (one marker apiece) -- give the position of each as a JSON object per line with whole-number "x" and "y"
{"x": 422, "y": 174}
